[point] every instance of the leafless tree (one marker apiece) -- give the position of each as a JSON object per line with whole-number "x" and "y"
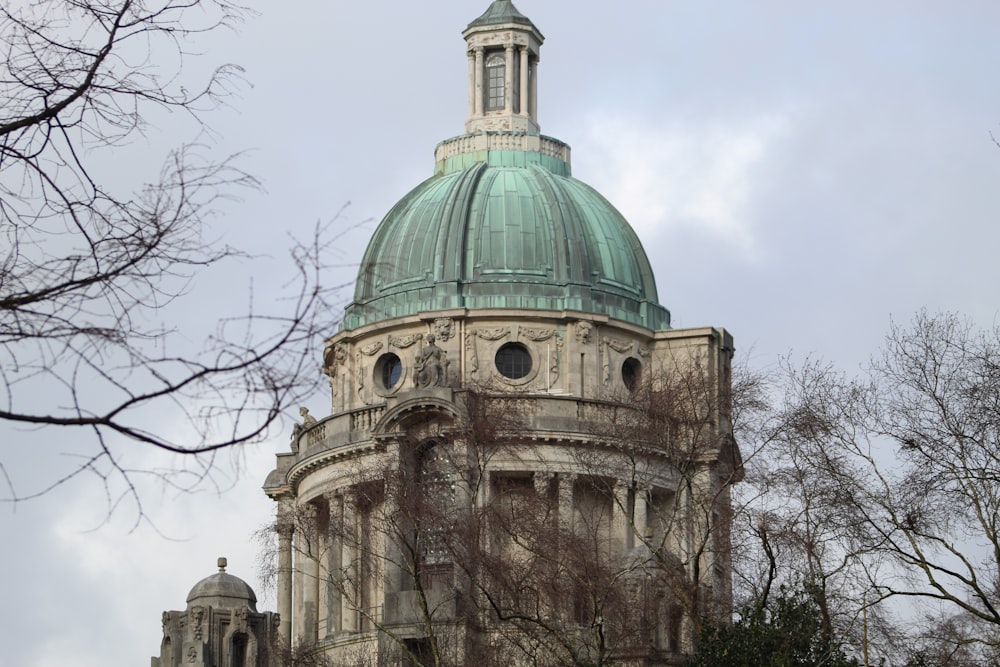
{"x": 489, "y": 553}
{"x": 883, "y": 491}
{"x": 679, "y": 419}
{"x": 86, "y": 265}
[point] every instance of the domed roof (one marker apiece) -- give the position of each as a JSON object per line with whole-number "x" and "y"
{"x": 223, "y": 590}
{"x": 505, "y": 229}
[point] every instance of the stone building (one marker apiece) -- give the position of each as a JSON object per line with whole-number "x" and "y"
{"x": 220, "y": 626}
{"x": 523, "y": 463}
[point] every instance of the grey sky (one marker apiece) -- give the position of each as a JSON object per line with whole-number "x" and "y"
{"x": 799, "y": 172}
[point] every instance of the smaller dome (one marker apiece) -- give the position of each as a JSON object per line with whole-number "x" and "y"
{"x": 223, "y": 590}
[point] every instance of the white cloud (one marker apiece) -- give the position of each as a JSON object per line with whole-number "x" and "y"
{"x": 699, "y": 175}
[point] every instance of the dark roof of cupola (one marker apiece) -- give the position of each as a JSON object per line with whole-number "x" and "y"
{"x": 501, "y": 11}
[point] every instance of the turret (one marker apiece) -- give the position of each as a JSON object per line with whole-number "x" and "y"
{"x": 503, "y": 46}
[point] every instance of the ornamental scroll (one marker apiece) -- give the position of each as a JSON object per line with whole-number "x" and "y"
{"x": 608, "y": 344}
{"x": 403, "y": 342}
{"x": 540, "y": 336}
{"x": 485, "y": 334}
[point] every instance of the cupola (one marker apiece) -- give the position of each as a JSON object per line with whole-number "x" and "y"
{"x": 503, "y": 47}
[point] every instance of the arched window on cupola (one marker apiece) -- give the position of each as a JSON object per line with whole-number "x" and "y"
{"x": 496, "y": 75}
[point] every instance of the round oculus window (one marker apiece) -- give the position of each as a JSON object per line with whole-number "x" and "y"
{"x": 389, "y": 370}
{"x": 631, "y": 372}
{"x": 513, "y": 361}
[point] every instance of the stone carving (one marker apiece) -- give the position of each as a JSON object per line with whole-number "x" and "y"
{"x": 643, "y": 352}
{"x": 431, "y": 365}
{"x": 240, "y": 617}
{"x": 359, "y": 376}
{"x": 537, "y": 335}
{"x": 308, "y": 421}
{"x": 584, "y": 332}
{"x": 609, "y": 344}
{"x": 618, "y": 345}
{"x": 403, "y": 342}
{"x": 554, "y": 361}
{"x": 492, "y": 334}
{"x": 443, "y": 328}
{"x": 165, "y": 620}
{"x": 334, "y": 358}
{"x": 192, "y": 654}
{"x": 470, "y": 348}
{"x": 197, "y": 620}
{"x": 372, "y": 348}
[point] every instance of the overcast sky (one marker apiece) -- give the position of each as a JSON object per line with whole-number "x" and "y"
{"x": 801, "y": 173}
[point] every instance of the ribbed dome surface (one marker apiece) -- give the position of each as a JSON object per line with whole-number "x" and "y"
{"x": 505, "y": 229}
{"x": 223, "y": 590}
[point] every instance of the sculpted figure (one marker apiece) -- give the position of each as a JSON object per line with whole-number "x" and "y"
{"x": 307, "y": 421}
{"x": 431, "y": 366}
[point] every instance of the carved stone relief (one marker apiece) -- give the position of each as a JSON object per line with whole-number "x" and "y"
{"x": 359, "y": 375}
{"x": 372, "y": 348}
{"x": 334, "y": 358}
{"x": 494, "y": 334}
{"x": 197, "y": 622}
{"x": 431, "y": 365}
{"x": 584, "y": 332}
{"x": 403, "y": 342}
{"x": 443, "y": 328}
{"x": 608, "y": 344}
{"x": 537, "y": 335}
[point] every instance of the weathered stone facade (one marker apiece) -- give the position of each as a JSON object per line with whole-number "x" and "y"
{"x": 522, "y": 462}
{"x": 220, "y": 627}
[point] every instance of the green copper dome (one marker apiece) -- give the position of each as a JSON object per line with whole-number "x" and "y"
{"x": 505, "y": 229}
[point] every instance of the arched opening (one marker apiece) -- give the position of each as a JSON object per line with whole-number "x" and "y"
{"x": 496, "y": 74}
{"x": 435, "y": 478}
{"x": 238, "y": 650}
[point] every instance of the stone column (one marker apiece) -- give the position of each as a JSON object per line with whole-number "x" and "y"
{"x": 620, "y": 518}
{"x": 324, "y": 540}
{"x": 334, "y": 554}
{"x": 533, "y": 95}
{"x": 508, "y": 82}
{"x": 641, "y": 513}
{"x": 350, "y": 567}
{"x": 307, "y": 560}
{"x": 478, "y": 92}
{"x": 566, "y": 501}
{"x": 472, "y": 83}
{"x": 285, "y": 532}
{"x": 523, "y": 110}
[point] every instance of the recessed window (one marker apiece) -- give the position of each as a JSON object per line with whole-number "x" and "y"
{"x": 631, "y": 373}
{"x": 513, "y": 361}
{"x": 389, "y": 370}
{"x": 496, "y": 66}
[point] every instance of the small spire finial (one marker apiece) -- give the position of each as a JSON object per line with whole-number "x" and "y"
{"x": 222, "y": 564}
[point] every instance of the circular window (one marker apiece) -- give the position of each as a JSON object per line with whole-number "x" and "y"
{"x": 631, "y": 372}
{"x": 389, "y": 370}
{"x": 513, "y": 361}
